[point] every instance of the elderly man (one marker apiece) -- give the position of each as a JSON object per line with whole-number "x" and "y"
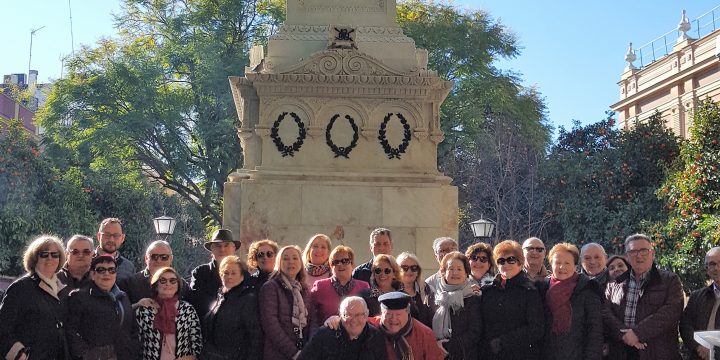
{"x": 534, "y": 252}
{"x": 644, "y": 306}
{"x": 593, "y": 260}
{"x": 76, "y": 272}
{"x": 111, "y": 237}
{"x": 205, "y": 279}
{"x": 441, "y": 247}
{"x": 157, "y": 255}
{"x": 353, "y": 338}
{"x": 380, "y": 243}
{"x": 701, "y": 313}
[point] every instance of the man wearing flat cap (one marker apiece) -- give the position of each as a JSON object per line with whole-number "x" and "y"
{"x": 405, "y": 338}
{"x": 205, "y": 279}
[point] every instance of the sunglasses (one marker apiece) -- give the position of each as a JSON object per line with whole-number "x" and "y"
{"x": 102, "y": 270}
{"x": 163, "y": 257}
{"x": 344, "y": 261}
{"x": 508, "y": 260}
{"x": 379, "y": 271}
{"x": 46, "y": 254}
{"x": 76, "y": 252}
{"x": 482, "y": 259}
{"x": 268, "y": 254}
{"x": 410, "y": 268}
{"x": 538, "y": 249}
{"x": 164, "y": 281}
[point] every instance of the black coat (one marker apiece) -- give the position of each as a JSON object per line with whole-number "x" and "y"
{"x": 584, "y": 340}
{"x": 328, "y": 344}
{"x": 696, "y": 316}
{"x": 466, "y": 326}
{"x": 513, "y": 314}
{"x": 363, "y": 271}
{"x": 204, "y": 284}
{"x": 32, "y": 317}
{"x": 95, "y": 320}
{"x": 138, "y": 286}
{"x": 71, "y": 283}
{"x": 232, "y": 327}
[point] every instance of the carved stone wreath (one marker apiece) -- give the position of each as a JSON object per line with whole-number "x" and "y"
{"x": 394, "y": 152}
{"x": 286, "y": 150}
{"x": 341, "y": 151}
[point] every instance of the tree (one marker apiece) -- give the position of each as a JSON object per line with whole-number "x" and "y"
{"x": 692, "y": 196}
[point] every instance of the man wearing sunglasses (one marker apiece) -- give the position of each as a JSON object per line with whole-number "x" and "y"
{"x": 111, "y": 237}
{"x": 534, "y": 252}
{"x": 157, "y": 255}
{"x": 380, "y": 243}
{"x": 76, "y": 271}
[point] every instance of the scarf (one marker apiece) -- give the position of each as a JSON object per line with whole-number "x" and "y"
{"x": 53, "y": 283}
{"x": 448, "y": 297}
{"x": 317, "y": 270}
{"x": 299, "y": 311}
{"x": 402, "y": 348}
{"x": 558, "y": 301}
{"x": 166, "y": 314}
{"x": 342, "y": 290}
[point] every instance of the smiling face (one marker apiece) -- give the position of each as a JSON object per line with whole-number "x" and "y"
{"x": 383, "y": 274}
{"x": 506, "y": 266}
{"x": 381, "y": 244}
{"x": 167, "y": 285}
{"x": 407, "y": 274}
{"x": 265, "y": 258}
{"x": 291, "y": 263}
{"x": 394, "y": 320}
{"x": 563, "y": 265}
{"x": 354, "y": 318}
{"x": 593, "y": 260}
{"x": 341, "y": 266}
{"x": 48, "y": 260}
{"x": 319, "y": 251}
{"x": 103, "y": 275}
{"x": 159, "y": 256}
{"x": 534, "y": 251}
{"x": 616, "y": 268}
{"x": 455, "y": 272}
{"x": 479, "y": 264}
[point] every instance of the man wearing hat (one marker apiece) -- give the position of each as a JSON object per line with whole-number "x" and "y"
{"x": 405, "y": 338}
{"x": 205, "y": 279}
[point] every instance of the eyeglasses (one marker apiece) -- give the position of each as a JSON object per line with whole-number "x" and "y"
{"x": 111, "y": 236}
{"x": 482, "y": 259}
{"x": 156, "y": 257}
{"x": 637, "y": 252}
{"x": 164, "y": 281}
{"x": 102, "y": 270}
{"x": 411, "y": 268}
{"x": 509, "y": 260}
{"x": 77, "y": 252}
{"x": 268, "y": 254}
{"x": 538, "y": 249}
{"x": 712, "y": 264}
{"x": 345, "y": 261}
{"x": 45, "y": 254}
{"x": 379, "y": 271}
{"x": 355, "y": 316}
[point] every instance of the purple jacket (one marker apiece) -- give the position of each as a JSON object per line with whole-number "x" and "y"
{"x": 325, "y": 301}
{"x": 276, "y": 319}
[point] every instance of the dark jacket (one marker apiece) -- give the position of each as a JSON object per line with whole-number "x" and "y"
{"x": 584, "y": 340}
{"x": 363, "y": 271}
{"x": 138, "y": 286}
{"x": 513, "y": 314}
{"x": 125, "y": 267}
{"x": 696, "y": 316}
{"x": 282, "y": 340}
{"x": 371, "y": 297}
{"x": 601, "y": 279}
{"x": 32, "y": 317}
{"x": 328, "y": 344}
{"x": 72, "y": 283}
{"x": 658, "y": 312}
{"x": 466, "y": 326}
{"x": 259, "y": 278}
{"x": 204, "y": 284}
{"x": 98, "y": 318}
{"x": 231, "y": 328}
{"x": 420, "y": 310}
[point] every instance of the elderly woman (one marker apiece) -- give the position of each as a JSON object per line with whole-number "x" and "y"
{"x": 385, "y": 278}
{"x": 512, "y": 312}
{"x": 261, "y": 259}
{"x": 172, "y": 330}
{"x": 572, "y": 307}
{"x": 326, "y": 294}
{"x": 230, "y": 329}
{"x": 284, "y": 314}
{"x": 456, "y": 322}
{"x": 31, "y": 318}
{"x": 316, "y": 256}
{"x": 481, "y": 266}
{"x": 411, "y": 275}
{"x": 617, "y": 265}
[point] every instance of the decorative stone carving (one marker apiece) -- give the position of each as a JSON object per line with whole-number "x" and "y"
{"x": 335, "y": 62}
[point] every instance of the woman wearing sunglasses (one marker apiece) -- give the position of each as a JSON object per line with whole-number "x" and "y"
{"x": 316, "y": 258}
{"x": 261, "y": 260}
{"x": 385, "y": 278}
{"x": 410, "y": 275}
{"x": 31, "y": 317}
{"x": 172, "y": 330}
{"x": 482, "y": 270}
{"x": 326, "y": 294}
{"x": 511, "y": 309}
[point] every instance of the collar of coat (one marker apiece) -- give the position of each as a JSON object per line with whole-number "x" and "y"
{"x": 653, "y": 276}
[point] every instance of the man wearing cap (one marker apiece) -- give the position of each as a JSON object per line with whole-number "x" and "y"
{"x": 111, "y": 237}
{"x": 205, "y": 279}
{"x": 157, "y": 255}
{"x": 380, "y": 243}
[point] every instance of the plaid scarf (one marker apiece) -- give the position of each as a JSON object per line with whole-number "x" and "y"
{"x": 342, "y": 290}
{"x": 634, "y": 293}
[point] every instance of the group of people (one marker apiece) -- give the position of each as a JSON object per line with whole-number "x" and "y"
{"x": 78, "y": 301}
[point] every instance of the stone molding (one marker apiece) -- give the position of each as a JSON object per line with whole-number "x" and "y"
{"x": 382, "y": 34}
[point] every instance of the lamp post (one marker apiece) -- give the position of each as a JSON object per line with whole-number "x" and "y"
{"x": 482, "y": 228}
{"x": 164, "y": 226}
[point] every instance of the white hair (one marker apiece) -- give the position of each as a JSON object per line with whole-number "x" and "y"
{"x": 350, "y": 300}
{"x": 587, "y": 247}
{"x": 157, "y": 243}
{"x": 440, "y": 240}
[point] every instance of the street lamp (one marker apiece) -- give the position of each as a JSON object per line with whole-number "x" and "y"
{"x": 164, "y": 226}
{"x": 482, "y": 228}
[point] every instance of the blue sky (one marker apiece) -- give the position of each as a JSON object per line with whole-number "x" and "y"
{"x": 572, "y": 51}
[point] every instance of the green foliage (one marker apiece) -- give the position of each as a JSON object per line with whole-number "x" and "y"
{"x": 599, "y": 182}
{"x": 692, "y": 194}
